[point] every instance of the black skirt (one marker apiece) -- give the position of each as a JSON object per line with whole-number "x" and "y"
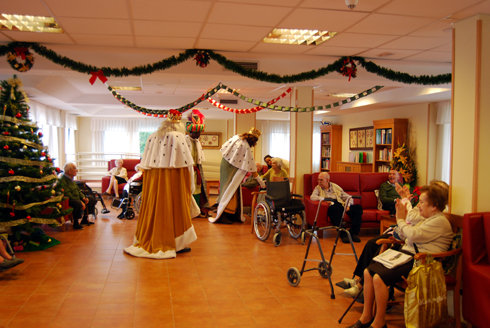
{"x": 120, "y": 180}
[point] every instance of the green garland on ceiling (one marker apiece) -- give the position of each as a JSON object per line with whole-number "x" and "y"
{"x": 228, "y": 64}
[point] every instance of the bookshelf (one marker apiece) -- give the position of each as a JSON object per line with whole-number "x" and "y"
{"x": 388, "y": 134}
{"x": 331, "y": 147}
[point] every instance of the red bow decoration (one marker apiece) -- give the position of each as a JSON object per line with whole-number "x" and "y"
{"x": 99, "y": 74}
{"x": 22, "y": 52}
{"x": 348, "y": 68}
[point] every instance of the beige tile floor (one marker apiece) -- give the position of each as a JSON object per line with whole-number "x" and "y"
{"x": 229, "y": 279}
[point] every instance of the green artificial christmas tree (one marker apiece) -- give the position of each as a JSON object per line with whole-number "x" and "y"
{"x": 29, "y": 195}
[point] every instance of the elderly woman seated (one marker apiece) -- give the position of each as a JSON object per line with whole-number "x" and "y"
{"x": 276, "y": 172}
{"x": 432, "y": 234}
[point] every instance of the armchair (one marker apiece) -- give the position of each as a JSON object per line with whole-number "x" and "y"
{"x": 129, "y": 164}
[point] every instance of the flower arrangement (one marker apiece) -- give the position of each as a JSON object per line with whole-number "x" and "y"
{"x": 403, "y": 162}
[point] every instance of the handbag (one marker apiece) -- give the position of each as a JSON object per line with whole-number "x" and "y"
{"x": 425, "y": 295}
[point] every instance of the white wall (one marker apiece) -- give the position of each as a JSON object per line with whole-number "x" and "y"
{"x": 417, "y": 115}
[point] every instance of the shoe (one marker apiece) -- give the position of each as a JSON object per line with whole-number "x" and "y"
{"x": 77, "y": 227}
{"x": 353, "y": 291}
{"x": 345, "y": 239}
{"x": 355, "y": 238}
{"x": 184, "y": 250}
{"x": 105, "y": 193}
{"x": 121, "y": 216}
{"x": 350, "y": 282}
{"x": 105, "y": 211}
{"x": 7, "y": 264}
{"x": 359, "y": 324}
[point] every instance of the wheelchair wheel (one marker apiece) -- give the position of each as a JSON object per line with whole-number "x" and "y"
{"x": 129, "y": 214}
{"x": 303, "y": 237}
{"x": 325, "y": 269}
{"x": 294, "y": 277}
{"x": 262, "y": 221}
{"x": 137, "y": 202}
{"x": 96, "y": 212}
{"x": 297, "y": 224}
{"x": 277, "y": 238}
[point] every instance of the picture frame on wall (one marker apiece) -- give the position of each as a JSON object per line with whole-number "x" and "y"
{"x": 210, "y": 140}
{"x": 361, "y": 138}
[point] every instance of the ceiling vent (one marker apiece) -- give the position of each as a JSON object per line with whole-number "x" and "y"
{"x": 249, "y": 65}
{"x": 229, "y": 101}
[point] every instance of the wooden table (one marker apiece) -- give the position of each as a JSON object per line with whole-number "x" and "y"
{"x": 386, "y": 222}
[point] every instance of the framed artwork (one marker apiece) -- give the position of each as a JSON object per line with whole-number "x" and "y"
{"x": 369, "y": 138}
{"x": 353, "y": 139}
{"x": 210, "y": 140}
{"x": 361, "y": 138}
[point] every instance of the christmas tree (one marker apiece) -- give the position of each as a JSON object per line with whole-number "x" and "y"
{"x": 29, "y": 195}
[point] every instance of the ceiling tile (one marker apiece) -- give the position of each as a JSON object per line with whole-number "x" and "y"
{"x": 238, "y": 14}
{"x": 395, "y": 54}
{"x": 161, "y": 42}
{"x": 432, "y": 56}
{"x": 234, "y": 32}
{"x": 358, "y": 40}
{"x": 424, "y": 8}
{"x": 95, "y": 26}
{"x": 279, "y": 48}
{"x": 103, "y": 40}
{"x": 89, "y": 8}
{"x": 389, "y": 24}
{"x": 229, "y": 45}
{"x": 25, "y": 7}
{"x": 482, "y": 7}
{"x": 321, "y": 19}
{"x": 45, "y": 38}
{"x": 182, "y": 10}
{"x": 362, "y": 6}
{"x": 285, "y": 3}
{"x": 338, "y": 51}
{"x": 174, "y": 29}
{"x": 442, "y": 28}
{"x": 415, "y": 43}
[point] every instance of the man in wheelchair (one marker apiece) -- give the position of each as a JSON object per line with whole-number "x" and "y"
{"x": 327, "y": 189}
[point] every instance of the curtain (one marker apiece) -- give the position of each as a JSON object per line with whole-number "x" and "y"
{"x": 121, "y": 135}
{"x": 315, "y": 161}
{"x": 443, "y": 122}
{"x": 275, "y": 138}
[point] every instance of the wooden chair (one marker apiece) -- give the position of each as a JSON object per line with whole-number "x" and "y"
{"x": 452, "y": 263}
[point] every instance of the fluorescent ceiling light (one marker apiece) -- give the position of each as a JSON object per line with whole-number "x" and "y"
{"x": 297, "y": 36}
{"x": 127, "y": 88}
{"x": 27, "y": 23}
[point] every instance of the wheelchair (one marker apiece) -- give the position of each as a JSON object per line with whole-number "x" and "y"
{"x": 133, "y": 197}
{"x": 279, "y": 208}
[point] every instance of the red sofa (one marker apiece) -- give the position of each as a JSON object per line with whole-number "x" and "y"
{"x": 129, "y": 164}
{"x": 476, "y": 268}
{"x": 356, "y": 184}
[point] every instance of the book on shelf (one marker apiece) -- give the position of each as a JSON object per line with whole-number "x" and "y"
{"x": 326, "y": 138}
{"x": 388, "y": 136}
{"x": 378, "y": 136}
{"x": 383, "y": 136}
{"x": 392, "y": 258}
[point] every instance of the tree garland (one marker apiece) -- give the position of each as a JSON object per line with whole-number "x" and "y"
{"x": 204, "y": 54}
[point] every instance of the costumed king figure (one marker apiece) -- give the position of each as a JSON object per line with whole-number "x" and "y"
{"x": 194, "y": 127}
{"x": 237, "y": 161}
{"x": 164, "y": 224}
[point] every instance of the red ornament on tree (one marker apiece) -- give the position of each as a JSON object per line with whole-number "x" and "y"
{"x": 12, "y": 214}
{"x": 6, "y": 147}
{"x": 5, "y": 133}
{"x": 43, "y": 154}
{"x": 28, "y": 218}
{"x": 18, "y": 115}
{"x": 11, "y": 172}
{"x": 40, "y": 134}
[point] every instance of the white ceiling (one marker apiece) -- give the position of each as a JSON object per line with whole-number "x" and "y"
{"x": 410, "y": 36}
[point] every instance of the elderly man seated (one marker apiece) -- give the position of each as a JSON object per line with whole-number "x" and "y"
{"x": 327, "y": 189}
{"x": 77, "y": 199}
